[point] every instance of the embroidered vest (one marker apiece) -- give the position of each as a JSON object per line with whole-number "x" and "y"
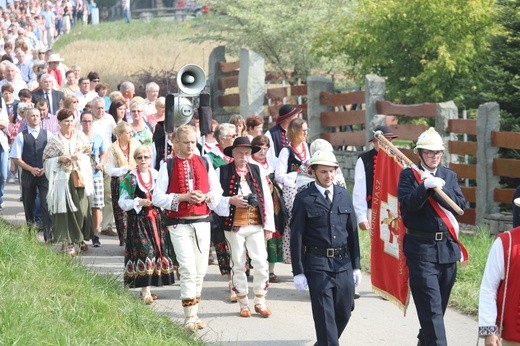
{"x": 179, "y": 184}
{"x": 369, "y": 160}
{"x": 276, "y": 135}
{"x": 511, "y": 323}
{"x": 230, "y": 182}
{"x": 293, "y": 162}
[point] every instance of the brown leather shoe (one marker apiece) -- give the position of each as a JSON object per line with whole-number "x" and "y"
{"x": 264, "y": 312}
{"x": 109, "y": 231}
{"x": 245, "y": 312}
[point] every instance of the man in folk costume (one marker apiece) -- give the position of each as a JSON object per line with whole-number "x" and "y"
{"x": 431, "y": 243}
{"x": 498, "y": 315}
{"x": 188, "y": 191}
{"x": 278, "y": 134}
{"x": 247, "y": 218}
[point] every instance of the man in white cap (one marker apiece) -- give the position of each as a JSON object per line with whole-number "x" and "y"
{"x": 325, "y": 249}
{"x": 431, "y": 243}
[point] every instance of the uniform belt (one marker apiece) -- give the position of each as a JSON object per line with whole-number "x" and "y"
{"x": 327, "y": 252}
{"x": 437, "y": 236}
{"x": 187, "y": 221}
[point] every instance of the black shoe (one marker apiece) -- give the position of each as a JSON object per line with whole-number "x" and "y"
{"x": 357, "y": 295}
{"x": 121, "y": 243}
{"x": 95, "y": 241}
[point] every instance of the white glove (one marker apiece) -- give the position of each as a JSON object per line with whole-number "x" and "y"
{"x": 434, "y": 182}
{"x": 357, "y": 277}
{"x": 300, "y": 282}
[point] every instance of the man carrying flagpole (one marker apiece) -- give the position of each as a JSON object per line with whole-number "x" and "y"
{"x": 431, "y": 244}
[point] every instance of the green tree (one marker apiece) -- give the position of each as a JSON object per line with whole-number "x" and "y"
{"x": 426, "y": 49}
{"x": 500, "y": 80}
{"x": 281, "y": 31}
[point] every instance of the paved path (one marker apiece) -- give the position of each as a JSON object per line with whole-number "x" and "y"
{"x": 374, "y": 321}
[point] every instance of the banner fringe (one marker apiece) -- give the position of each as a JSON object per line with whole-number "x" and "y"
{"x": 392, "y": 299}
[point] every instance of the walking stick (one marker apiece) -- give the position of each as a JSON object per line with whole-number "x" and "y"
{"x": 404, "y": 161}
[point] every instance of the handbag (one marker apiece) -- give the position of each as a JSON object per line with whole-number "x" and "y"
{"x": 77, "y": 179}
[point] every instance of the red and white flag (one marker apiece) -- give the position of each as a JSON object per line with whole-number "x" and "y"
{"x": 388, "y": 263}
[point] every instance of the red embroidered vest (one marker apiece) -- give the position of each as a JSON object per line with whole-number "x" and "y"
{"x": 511, "y": 323}
{"x": 179, "y": 184}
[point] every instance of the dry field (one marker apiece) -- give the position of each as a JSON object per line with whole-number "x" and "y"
{"x": 117, "y": 58}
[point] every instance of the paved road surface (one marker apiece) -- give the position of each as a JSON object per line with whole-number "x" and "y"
{"x": 374, "y": 321}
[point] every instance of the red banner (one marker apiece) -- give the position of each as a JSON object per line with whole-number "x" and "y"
{"x": 388, "y": 264}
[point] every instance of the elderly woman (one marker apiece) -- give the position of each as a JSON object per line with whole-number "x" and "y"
{"x": 225, "y": 134}
{"x": 148, "y": 251}
{"x": 119, "y": 161}
{"x": 142, "y": 130}
{"x": 67, "y": 163}
{"x": 290, "y": 160}
{"x": 158, "y": 116}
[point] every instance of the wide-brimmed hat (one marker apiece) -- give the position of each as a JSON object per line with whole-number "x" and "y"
{"x": 287, "y": 111}
{"x": 241, "y": 142}
{"x": 54, "y": 58}
{"x": 386, "y": 132}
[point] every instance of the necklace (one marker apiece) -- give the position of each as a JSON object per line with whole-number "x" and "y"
{"x": 264, "y": 164}
{"x": 301, "y": 154}
{"x": 148, "y": 186}
{"x": 126, "y": 151}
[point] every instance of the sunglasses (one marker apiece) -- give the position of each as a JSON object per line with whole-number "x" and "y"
{"x": 142, "y": 157}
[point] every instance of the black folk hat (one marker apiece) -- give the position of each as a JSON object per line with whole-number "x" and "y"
{"x": 286, "y": 111}
{"x": 241, "y": 142}
{"x": 386, "y": 132}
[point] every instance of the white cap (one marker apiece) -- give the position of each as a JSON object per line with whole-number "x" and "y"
{"x": 429, "y": 140}
{"x": 325, "y": 158}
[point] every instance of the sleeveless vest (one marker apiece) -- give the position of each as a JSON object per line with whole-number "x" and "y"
{"x": 511, "y": 323}
{"x": 293, "y": 162}
{"x": 32, "y": 153}
{"x": 276, "y": 135}
{"x": 178, "y": 181}
{"x": 369, "y": 159}
{"x": 230, "y": 181}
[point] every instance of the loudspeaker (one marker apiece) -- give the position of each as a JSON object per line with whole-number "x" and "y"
{"x": 191, "y": 80}
{"x": 205, "y": 114}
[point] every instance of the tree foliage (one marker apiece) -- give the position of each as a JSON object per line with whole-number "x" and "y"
{"x": 281, "y": 31}
{"x": 426, "y": 49}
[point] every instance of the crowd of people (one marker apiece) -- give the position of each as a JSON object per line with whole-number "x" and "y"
{"x": 92, "y": 160}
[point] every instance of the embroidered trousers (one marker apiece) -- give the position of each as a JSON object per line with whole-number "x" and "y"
{"x": 250, "y": 240}
{"x": 191, "y": 245}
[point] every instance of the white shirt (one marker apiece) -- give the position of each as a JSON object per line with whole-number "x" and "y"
{"x": 359, "y": 192}
{"x": 17, "y": 146}
{"x": 280, "y": 172}
{"x": 105, "y": 128}
{"x": 164, "y": 200}
{"x": 494, "y": 273}
{"x": 223, "y": 207}
{"x": 322, "y": 190}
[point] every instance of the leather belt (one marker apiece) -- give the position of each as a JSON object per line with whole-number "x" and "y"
{"x": 327, "y": 252}
{"x": 186, "y": 221}
{"x": 437, "y": 236}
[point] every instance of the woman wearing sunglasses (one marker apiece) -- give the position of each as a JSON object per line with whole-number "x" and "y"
{"x": 148, "y": 250}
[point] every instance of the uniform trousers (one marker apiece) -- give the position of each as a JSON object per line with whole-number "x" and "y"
{"x": 30, "y": 187}
{"x": 191, "y": 245}
{"x": 431, "y": 285}
{"x": 332, "y": 301}
{"x": 250, "y": 240}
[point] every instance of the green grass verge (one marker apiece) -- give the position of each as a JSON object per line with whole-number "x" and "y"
{"x": 464, "y": 296}
{"x": 49, "y": 299}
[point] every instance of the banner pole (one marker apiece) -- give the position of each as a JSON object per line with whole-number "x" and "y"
{"x": 392, "y": 150}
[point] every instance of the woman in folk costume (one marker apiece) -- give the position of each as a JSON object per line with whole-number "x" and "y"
{"x": 119, "y": 161}
{"x": 66, "y": 155}
{"x": 274, "y": 245}
{"x": 148, "y": 252}
{"x": 290, "y": 160}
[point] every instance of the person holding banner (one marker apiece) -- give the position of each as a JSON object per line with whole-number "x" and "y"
{"x": 431, "y": 244}
{"x": 498, "y": 317}
{"x": 325, "y": 249}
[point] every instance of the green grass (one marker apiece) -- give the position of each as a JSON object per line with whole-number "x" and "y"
{"x": 49, "y": 299}
{"x": 120, "y": 31}
{"x": 464, "y": 296}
